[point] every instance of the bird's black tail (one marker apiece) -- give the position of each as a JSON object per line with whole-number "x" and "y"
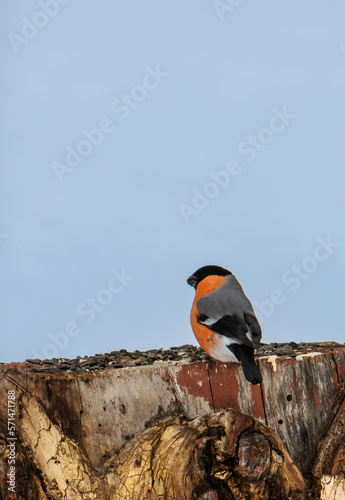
{"x": 245, "y": 355}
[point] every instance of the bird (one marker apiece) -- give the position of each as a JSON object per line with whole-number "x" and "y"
{"x": 223, "y": 319}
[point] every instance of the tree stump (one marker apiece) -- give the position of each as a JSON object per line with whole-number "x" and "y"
{"x": 174, "y": 425}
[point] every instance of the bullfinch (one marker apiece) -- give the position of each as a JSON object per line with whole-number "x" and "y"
{"x": 223, "y": 319}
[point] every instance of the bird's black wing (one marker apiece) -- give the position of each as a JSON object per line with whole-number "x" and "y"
{"x": 255, "y": 328}
{"x": 230, "y": 326}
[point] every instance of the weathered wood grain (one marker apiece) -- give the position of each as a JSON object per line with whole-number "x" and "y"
{"x": 329, "y": 466}
{"x": 227, "y": 455}
{"x": 299, "y": 394}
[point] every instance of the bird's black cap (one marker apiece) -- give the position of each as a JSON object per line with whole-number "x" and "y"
{"x": 205, "y": 271}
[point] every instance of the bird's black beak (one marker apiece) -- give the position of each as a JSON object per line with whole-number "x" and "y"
{"x": 192, "y": 281}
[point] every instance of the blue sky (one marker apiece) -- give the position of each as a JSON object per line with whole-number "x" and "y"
{"x": 142, "y": 140}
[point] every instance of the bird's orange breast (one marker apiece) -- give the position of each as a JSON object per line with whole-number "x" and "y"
{"x": 206, "y": 337}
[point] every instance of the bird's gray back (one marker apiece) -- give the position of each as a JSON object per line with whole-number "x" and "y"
{"x": 228, "y": 299}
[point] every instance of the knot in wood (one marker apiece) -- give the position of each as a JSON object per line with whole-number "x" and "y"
{"x": 253, "y": 456}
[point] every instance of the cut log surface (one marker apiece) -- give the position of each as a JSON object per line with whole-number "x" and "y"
{"x": 162, "y": 424}
{"x": 228, "y": 454}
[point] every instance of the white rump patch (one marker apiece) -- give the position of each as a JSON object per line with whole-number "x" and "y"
{"x": 221, "y": 351}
